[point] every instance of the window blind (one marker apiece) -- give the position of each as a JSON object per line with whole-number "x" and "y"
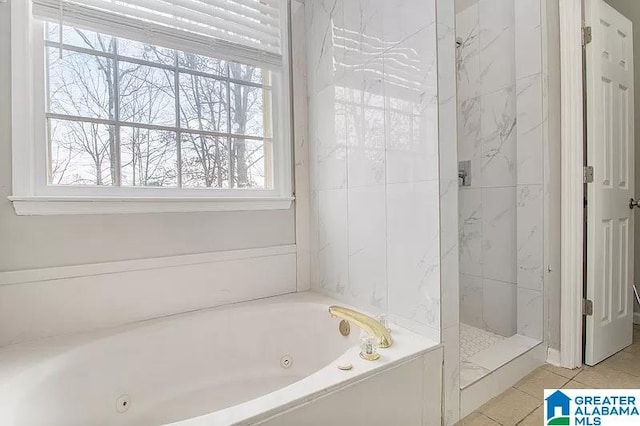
{"x": 247, "y": 31}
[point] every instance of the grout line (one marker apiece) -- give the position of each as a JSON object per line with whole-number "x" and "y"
{"x": 575, "y": 379}
{"x": 530, "y": 413}
{"x": 491, "y": 418}
{"x": 498, "y": 396}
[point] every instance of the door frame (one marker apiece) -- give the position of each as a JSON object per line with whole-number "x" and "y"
{"x": 571, "y": 182}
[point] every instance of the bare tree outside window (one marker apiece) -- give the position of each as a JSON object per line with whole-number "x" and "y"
{"x": 125, "y": 113}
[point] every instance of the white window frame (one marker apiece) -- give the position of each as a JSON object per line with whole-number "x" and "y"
{"x": 33, "y": 196}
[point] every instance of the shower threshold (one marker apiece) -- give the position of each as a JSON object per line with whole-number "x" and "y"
{"x": 482, "y": 352}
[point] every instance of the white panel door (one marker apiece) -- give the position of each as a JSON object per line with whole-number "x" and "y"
{"x": 610, "y": 125}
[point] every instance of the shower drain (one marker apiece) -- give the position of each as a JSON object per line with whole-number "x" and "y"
{"x": 123, "y": 403}
{"x": 286, "y": 361}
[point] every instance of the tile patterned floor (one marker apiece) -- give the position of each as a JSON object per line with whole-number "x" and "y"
{"x": 522, "y": 404}
{"x": 474, "y": 340}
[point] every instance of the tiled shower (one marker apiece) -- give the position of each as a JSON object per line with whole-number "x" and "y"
{"x": 500, "y": 150}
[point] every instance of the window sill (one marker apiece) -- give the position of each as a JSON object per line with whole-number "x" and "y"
{"x": 44, "y": 206}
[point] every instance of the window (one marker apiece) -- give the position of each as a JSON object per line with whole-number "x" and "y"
{"x": 139, "y": 126}
{"x": 125, "y": 113}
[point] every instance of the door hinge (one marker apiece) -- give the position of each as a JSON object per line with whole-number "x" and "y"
{"x": 587, "y": 307}
{"x": 587, "y": 173}
{"x": 586, "y": 35}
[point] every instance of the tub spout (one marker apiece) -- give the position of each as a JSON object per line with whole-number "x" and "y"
{"x": 365, "y": 322}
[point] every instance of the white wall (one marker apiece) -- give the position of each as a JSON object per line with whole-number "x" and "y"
{"x": 374, "y": 156}
{"x": 43, "y": 241}
{"x": 65, "y": 300}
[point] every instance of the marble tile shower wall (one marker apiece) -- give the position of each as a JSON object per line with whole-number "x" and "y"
{"x": 500, "y": 133}
{"x": 372, "y": 87}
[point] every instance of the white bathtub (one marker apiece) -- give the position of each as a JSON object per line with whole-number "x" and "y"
{"x": 219, "y": 366}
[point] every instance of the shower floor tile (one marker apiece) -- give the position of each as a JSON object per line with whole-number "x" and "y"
{"x": 482, "y": 352}
{"x": 474, "y": 340}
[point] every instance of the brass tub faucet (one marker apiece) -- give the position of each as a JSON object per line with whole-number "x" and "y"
{"x": 365, "y": 322}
